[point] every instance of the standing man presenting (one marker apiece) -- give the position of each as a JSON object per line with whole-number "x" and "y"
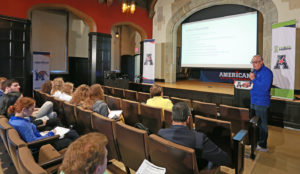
{"x": 262, "y": 78}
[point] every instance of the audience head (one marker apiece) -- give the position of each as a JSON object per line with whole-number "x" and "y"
{"x": 10, "y": 85}
{"x": 47, "y": 87}
{"x": 181, "y": 112}
{"x": 95, "y": 93}
{"x": 8, "y": 100}
{"x": 156, "y": 90}
{"x": 57, "y": 85}
{"x": 80, "y": 94}
{"x": 68, "y": 88}
{"x": 87, "y": 154}
{"x": 23, "y": 107}
{"x": 257, "y": 62}
{"x": 2, "y": 79}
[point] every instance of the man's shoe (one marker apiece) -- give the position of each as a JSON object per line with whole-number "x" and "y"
{"x": 258, "y": 148}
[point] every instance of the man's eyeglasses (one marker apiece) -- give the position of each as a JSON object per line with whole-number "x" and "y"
{"x": 255, "y": 62}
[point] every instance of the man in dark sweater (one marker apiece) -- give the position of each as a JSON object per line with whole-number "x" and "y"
{"x": 206, "y": 150}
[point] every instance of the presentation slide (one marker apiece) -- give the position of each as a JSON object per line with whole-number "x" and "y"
{"x": 225, "y": 42}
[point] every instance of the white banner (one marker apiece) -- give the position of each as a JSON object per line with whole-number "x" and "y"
{"x": 149, "y": 61}
{"x": 283, "y": 59}
{"x": 40, "y": 69}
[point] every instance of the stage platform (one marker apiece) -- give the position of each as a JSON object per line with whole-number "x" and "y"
{"x": 282, "y": 112}
{"x": 197, "y": 85}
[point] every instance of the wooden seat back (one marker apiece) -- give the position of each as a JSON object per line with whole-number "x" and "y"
{"x": 130, "y": 95}
{"x": 204, "y": 109}
{"x": 107, "y": 127}
{"x": 133, "y": 145}
{"x": 142, "y": 97}
{"x": 83, "y": 120}
{"x": 151, "y": 117}
{"x": 131, "y": 112}
{"x": 177, "y": 159}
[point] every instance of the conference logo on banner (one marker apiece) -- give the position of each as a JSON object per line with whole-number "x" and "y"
{"x": 40, "y": 69}
{"x": 225, "y": 76}
{"x": 283, "y": 59}
{"x": 149, "y": 61}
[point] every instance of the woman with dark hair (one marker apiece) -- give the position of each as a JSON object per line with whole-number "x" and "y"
{"x": 23, "y": 108}
{"x": 8, "y": 100}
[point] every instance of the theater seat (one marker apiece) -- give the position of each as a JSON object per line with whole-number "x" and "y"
{"x": 131, "y": 112}
{"x": 4, "y": 126}
{"x": 220, "y": 133}
{"x": 107, "y": 127}
{"x": 142, "y": 97}
{"x": 239, "y": 118}
{"x": 204, "y": 109}
{"x": 151, "y": 117}
{"x": 84, "y": 124}
{"x": 133, "y": 145}
{"x": 69, "y": 114}
{"x": 187, "y": 101}
{"x": 130, "y": 95}
{"x": 27, "y": 164}
{"x": 177, "y": 159}
{"x": 118, "y": 92}
{"x": 114, "y": 103}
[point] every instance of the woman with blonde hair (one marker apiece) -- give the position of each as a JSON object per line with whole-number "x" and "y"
{"x": 67, "y": 91}
{"x": 57, "y": 85}
{"x": 80, "y": 95}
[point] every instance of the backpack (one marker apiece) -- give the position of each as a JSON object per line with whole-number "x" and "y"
{"x": 142, "y": 127}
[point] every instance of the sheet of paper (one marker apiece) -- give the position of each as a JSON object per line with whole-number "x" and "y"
{"x": 149, "y": 168}
{"x": 61, "y": 131}
{"x": 115, "y": 113}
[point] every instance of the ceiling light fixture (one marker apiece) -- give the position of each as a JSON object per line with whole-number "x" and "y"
{"x": 126, "y": 7}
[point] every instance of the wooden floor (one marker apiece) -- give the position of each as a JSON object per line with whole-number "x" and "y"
{"x": 197, "y": 85}
{"x": 283, "y": 156}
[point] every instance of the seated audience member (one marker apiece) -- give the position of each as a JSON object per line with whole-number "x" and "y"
{"x": 88, "y": 154}
{"x": 57, "y": 85}
{"x": 157, "y": 99}
{"x": 2, "y": 79}
{"x": 24, "y": 107}
{"x": 67, "y": 91}
{"x": 206, "y": 150}
{"x": 8, "y": 100}
{"x": 95, "y": 102}
{"x": 10, "y": 85}
{"x": 80, "y": 94}
{"x": 47, "y": 87}
{"x": 11, "y": 98}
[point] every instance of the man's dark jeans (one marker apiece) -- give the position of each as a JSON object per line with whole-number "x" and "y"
{"x": 262, "y": 113}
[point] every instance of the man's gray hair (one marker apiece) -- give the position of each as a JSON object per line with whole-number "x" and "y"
{"x": 259, "y": 57}
{"x": 180, "y": 112}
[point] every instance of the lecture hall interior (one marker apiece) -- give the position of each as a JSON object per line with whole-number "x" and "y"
{"x": 196, "y": 50}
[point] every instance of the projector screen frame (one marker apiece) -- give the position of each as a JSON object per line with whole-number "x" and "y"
{"x": 223, "y": 66}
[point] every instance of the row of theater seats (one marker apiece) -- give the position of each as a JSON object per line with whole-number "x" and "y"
{"x": 85, "y": 121}
{"x": 239, "y": 117}
{"x": 45, "y": 159}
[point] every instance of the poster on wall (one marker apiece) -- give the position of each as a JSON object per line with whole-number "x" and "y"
{"x": 283, "y": 59}
{"x": 40, "y": 69}
{"x": 149, "y": 61}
